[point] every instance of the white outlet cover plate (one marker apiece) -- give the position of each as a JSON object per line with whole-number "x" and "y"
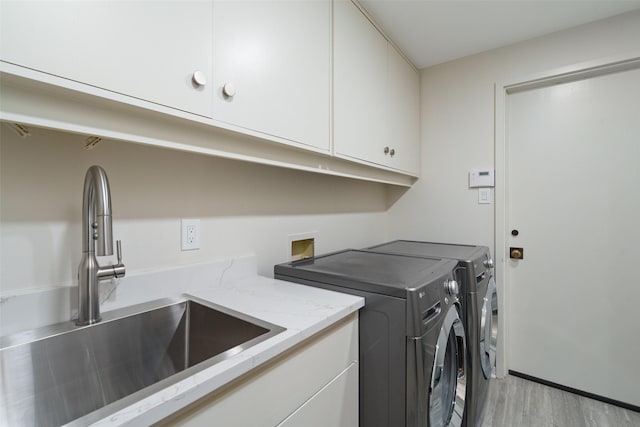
{"x": 190, "y": 234}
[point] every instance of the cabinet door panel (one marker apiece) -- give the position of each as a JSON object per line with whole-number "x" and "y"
{"x": 376, "y": 95}
{"x": 147, "y": 50}
{"x": 276, "y": 54}
{"x": 404, "y": 112}
{"x": 359, "y": 85}
{"x": 336, "y": 405}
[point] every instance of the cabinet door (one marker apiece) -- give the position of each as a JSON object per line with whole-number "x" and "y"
{"x": 359, "y": 85}
{"x": 376, "y": 95}
{"x": 336, "y": 405}
{"x": 403, "y": 113}
{"x": 276, "y": 57}
{"x": 147, "y": 50}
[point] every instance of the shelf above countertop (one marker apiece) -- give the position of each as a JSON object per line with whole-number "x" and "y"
{"x": 38, "y": 99}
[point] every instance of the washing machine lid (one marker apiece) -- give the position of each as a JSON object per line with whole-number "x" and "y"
{"x": 431, "y": 249}
{"x": 385, "y": 274}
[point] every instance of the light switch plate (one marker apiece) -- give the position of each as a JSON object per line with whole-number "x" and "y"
{"x": 485, "y": 196}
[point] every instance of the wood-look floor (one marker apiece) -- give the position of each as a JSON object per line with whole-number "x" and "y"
{"x": 516, "y": 402}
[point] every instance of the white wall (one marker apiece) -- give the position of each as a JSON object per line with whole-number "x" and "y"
{"x": 251, "y": 208}
{"x": 244, "y": 208}
{"x": 458, "y": 126}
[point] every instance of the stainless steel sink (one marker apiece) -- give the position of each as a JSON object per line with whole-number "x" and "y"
{"x": 58, "y": 374}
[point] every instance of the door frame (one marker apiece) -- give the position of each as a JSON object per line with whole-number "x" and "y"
{"x": 585, "y": 70}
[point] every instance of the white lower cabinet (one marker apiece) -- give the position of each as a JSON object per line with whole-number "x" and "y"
{"x": 335, "y": 405}
{"x": 315, "y": 383}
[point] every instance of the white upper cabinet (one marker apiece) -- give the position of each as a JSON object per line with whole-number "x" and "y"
{"x": 146, "y": 50}
{"x": 403, "y": 112}
{"x": 285, "y": 71}
{"x": 359, "y": 80}
{"x": 376, "y": 95}
{"x": 271, "y": 69}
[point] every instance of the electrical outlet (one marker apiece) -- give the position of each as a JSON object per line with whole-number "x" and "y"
{"x": 190, "y": 234}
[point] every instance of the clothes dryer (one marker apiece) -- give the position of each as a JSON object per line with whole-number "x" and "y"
{"x": 479, "y": 300}
{"x": 412, "y": 343}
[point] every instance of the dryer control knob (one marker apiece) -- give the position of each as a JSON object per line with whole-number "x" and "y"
{"x": 451, "y": 286}
{"x": 488, "y": 263}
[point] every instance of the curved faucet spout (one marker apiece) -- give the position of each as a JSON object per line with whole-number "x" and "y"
{"x": 97, "y": 231}
{"x": 97, "y": 238}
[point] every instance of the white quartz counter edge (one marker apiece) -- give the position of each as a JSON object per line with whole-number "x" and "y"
{"x": 302, "y": 310}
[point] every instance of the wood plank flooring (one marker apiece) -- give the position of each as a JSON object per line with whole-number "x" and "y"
{"x": 516, "y": 402}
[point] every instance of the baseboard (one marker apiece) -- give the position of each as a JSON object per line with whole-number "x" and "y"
{"x": 576, "y": 391}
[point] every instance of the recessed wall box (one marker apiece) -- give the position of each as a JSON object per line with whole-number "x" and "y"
{"x": 301, "y": 249}
{"x": 481, "y": 178}
{"x": 301, "y": 245}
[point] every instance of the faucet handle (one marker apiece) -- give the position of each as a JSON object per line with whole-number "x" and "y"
{"x": 119, "y": 251}
{"x": 118, "y": 270}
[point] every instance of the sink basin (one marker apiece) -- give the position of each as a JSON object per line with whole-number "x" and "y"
{"x": 55, "y": 375}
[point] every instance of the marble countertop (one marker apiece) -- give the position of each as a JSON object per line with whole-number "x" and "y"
{"x": 302, "y": 310}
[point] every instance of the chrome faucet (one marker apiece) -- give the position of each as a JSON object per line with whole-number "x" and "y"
{"x": 97, "y": 237}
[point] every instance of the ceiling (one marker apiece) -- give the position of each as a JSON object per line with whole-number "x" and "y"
{"x": 431, "y": 32}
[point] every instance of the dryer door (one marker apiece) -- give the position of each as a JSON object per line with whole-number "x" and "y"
{"x": 448, "y": 375}
{"x": 489, "y": 330}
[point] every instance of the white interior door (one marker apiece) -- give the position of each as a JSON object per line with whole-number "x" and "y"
{"x": 573, "y": 195}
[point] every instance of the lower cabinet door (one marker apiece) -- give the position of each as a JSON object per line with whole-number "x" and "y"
{"x": 335, "y": 405}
